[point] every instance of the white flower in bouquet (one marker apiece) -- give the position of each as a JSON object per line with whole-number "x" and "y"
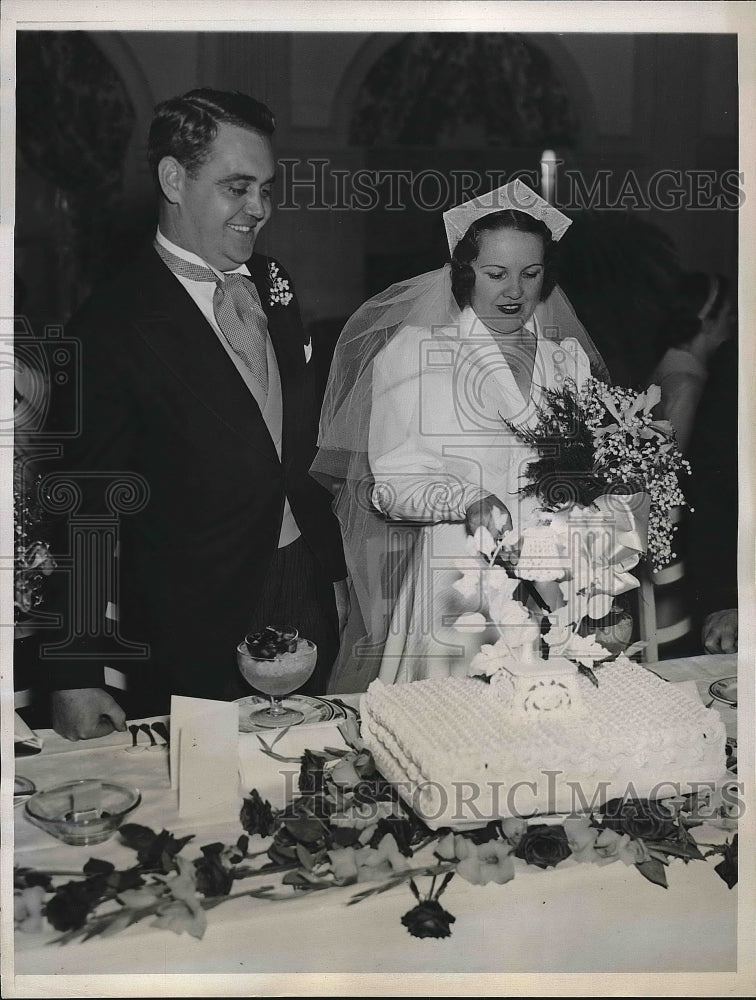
{"x": 482, "y": 542}
{"x": 600, "y": 441}
{"x": 564, "y": 640}
{"x": 484, "y": 579}
{"x": 472, "y": 621}
{"x": 493, "y": 587}
{"x": 513, "y": 621}
{"x": 487, "y": 661}
{"x": 605, "y": 543}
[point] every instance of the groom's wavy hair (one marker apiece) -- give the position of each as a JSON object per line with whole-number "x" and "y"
{"x": 185, "y": 127}
{"x": 468, "y": 248}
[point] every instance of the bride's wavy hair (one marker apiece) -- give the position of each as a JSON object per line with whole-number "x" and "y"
{"x": 468, "y": 248}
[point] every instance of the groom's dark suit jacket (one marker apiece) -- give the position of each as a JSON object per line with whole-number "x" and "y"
{"x": 161, "y": 399}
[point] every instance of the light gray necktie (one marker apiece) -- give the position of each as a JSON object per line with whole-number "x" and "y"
{"x": 237, "y": 309}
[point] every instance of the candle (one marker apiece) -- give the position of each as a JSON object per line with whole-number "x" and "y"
{"x": 548, "y": 175}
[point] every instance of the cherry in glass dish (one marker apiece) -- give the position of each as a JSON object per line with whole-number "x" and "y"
{"x": 276, "y": 661}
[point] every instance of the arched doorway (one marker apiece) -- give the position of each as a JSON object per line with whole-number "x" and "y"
{"x": 445, "y": 89}
{"x": 443, "y": 117}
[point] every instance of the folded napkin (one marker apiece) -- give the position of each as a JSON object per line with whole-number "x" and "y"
{"x": 203, "y": 757}
{"x": 26, "y": 741}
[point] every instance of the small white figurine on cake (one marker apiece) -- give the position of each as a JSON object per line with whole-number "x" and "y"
{"x": 538, "y": 688}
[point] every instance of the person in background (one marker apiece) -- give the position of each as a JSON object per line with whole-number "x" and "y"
{"x": 196, "y": 383}
{"x": 711, "y": 555}
{"x": 696, "y": 325}
{"x": 720, "y": 631}
{"x": 698, "y": 322}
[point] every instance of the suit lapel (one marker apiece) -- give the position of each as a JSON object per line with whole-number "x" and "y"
{"x": 285, "y": 330}
{"x": 180, "y": 336}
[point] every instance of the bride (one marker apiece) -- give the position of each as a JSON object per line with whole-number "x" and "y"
{"x": 413, "y": 439}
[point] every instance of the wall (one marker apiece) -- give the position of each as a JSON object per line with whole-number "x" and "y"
{"x": 647, "y": 102}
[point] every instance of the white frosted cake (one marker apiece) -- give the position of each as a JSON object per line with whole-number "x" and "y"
{"x": 460, "y": 754}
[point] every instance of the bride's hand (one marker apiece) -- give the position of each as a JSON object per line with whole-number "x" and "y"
{"x": 490, "y": 513}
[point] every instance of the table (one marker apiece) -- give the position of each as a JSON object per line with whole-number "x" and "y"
{"x": 703, "y": 670}
{"x": 576, "y": 919}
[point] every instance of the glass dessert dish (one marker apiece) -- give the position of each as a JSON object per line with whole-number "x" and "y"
{"x": 276, "y": 662}
{"x": 82, "y": 812}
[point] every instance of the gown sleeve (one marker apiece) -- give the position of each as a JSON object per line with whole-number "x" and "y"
{"x": 412, "y": 418}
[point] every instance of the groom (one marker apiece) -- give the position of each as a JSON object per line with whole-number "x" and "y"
{"x": 196, "y": 380}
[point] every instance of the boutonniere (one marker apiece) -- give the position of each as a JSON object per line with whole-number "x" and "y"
{"x": 280, "y": 293}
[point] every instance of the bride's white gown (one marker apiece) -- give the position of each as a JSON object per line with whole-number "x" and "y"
{"x": 437, "y": 443}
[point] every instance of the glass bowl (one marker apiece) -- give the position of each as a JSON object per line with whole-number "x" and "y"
{"x": 277, "y": 676}
{"x": 725, "y": 690}
{"x": 82, "y": 812}
{"x": 281, "y": 674}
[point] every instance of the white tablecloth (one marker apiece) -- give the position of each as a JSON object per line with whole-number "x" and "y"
{"x": 576, "y": 919}
{"x": 703, "y": 671}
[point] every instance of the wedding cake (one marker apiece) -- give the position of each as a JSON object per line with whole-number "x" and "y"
{"x": 462, "y": 752}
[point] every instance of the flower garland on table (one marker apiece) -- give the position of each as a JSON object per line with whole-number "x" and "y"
{"x": 347, "y": 826}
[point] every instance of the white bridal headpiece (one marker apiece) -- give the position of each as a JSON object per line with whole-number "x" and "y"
{"x": 513, "y": 195}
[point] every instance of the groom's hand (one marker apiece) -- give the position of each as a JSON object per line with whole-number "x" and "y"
{"x": 490, "y": 513}
{"x": 84, "y": 713}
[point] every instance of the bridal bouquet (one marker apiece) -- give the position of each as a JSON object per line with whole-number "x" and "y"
{"x": 606, "y": 475}
{"x": 603, "y": 440}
